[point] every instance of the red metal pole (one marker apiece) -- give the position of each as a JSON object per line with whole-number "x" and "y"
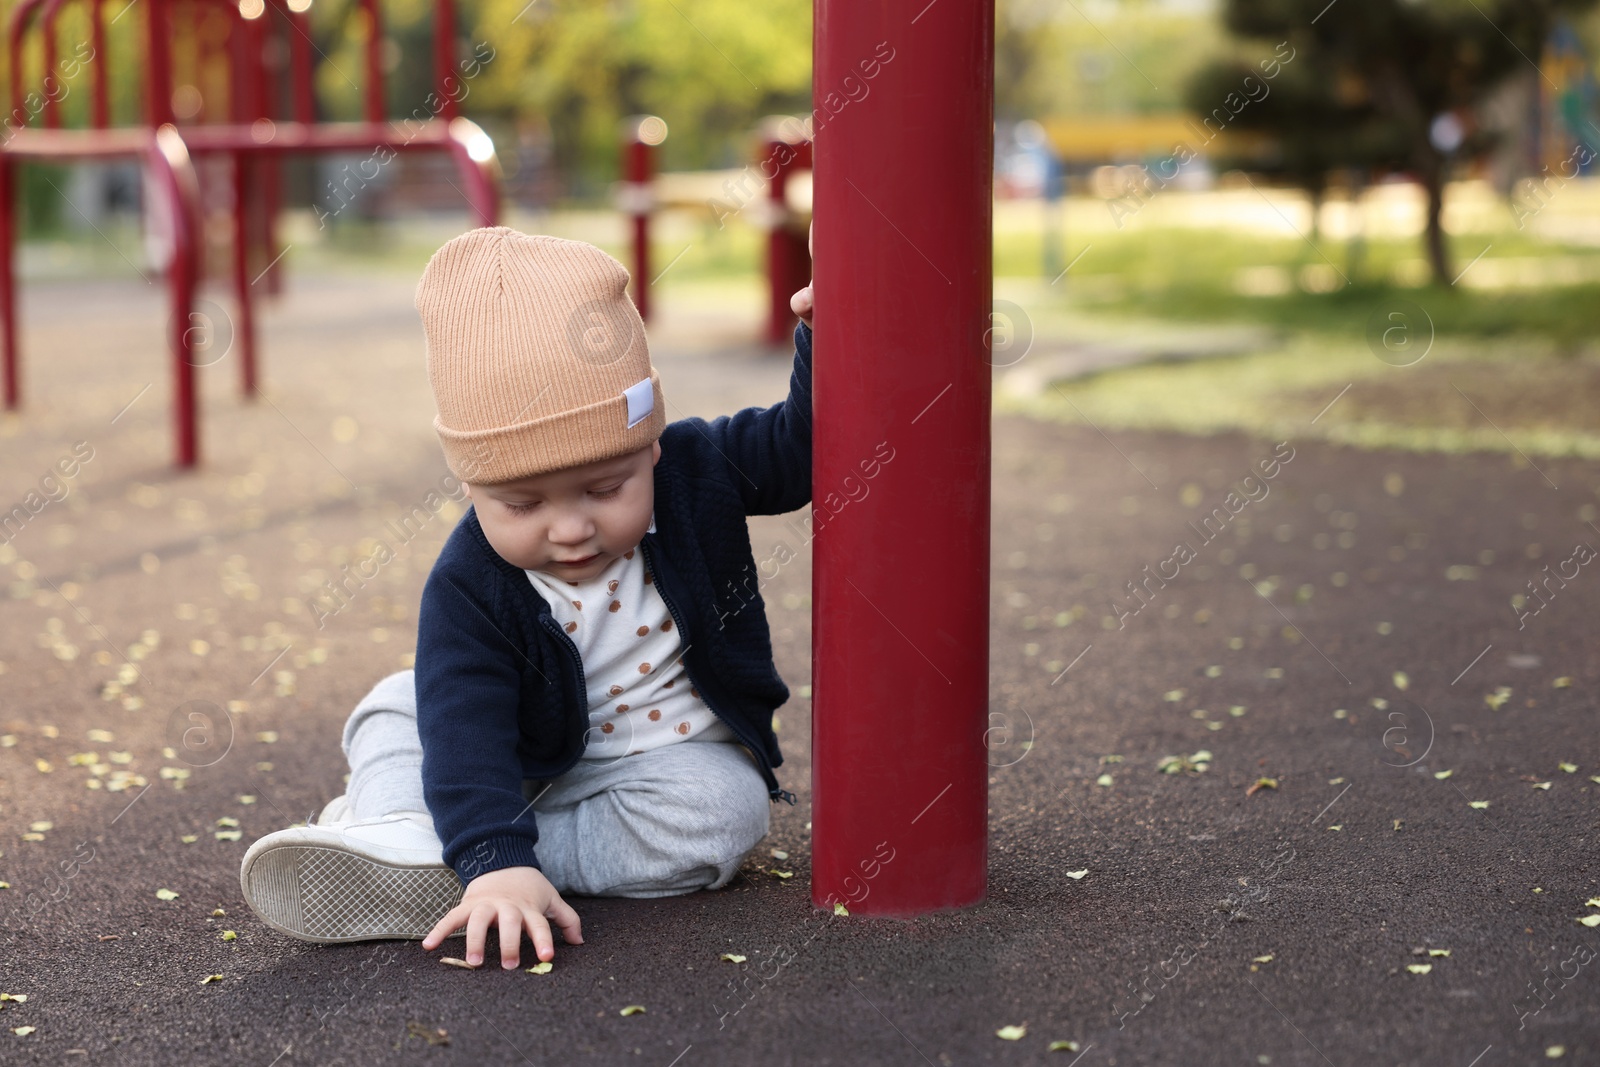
{"x": 174, "y": 180}
{"x": 300, "y": 67}
{"x": 47, "y": 28}
{"x": 376, "y": 107}
{"x": 640, "y": 136}
{"x": 157, "y": 64}
{"x": 244, "y": 51}
{"x": 101, "y": 102}
{"x": 901, "y": 452}
{"x": 444, "y": 57}
{"x": 245, "y": 330}
{"x": 8, "y": 282}
{"x": 267, "y": 36}
{"x": 788, "y": 260}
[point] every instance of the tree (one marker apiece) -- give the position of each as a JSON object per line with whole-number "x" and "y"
{"x": 1389, "y": 83}
{"x": 712, "y": 69}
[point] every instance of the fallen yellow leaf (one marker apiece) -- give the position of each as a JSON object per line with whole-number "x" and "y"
{"x": 1011, "y": 1033}
{"x": 541, "y": 968}
{"x": 633, "y": 1009}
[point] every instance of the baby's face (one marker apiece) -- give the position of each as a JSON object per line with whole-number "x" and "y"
{"x": 593, "y": 513}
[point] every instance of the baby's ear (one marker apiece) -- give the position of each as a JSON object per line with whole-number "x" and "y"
{"x": 657, "y": 455}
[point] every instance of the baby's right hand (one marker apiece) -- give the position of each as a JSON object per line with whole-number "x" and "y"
{"x": 520, "y": 897}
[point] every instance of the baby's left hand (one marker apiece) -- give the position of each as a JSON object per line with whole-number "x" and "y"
{"x": 800, "y": 303}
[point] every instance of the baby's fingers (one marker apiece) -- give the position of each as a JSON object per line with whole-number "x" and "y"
{"x": 444, "y": 927}
{"x": 567, "y": 919}
{"x": 544, "y": 946}
{"x": 477, "y": 926}
{"x": 510, "y": 936}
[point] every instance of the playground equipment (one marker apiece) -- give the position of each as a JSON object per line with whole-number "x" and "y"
{"x": 900, "y": 453}
{"x": 636, "y": 196}
{"x": 787, "y": 154}
{"x": 255, "y": 136}
{"x": 782, "y": 209}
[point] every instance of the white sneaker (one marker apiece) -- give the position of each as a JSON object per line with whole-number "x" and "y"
{"x": 336, "y": 810}
{"x": 351, "y": 879}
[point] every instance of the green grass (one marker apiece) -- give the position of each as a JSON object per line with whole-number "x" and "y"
{"x": 1187, "y": 274}
{"x": 1508, "y": 370}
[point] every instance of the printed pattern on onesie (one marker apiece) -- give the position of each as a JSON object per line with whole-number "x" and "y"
{"x": 639, "y": 692}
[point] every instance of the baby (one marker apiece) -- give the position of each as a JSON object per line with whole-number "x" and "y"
{"x": 579, "y": 684}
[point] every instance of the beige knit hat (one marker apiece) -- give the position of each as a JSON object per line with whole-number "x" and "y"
{"x": 536, "y": 355}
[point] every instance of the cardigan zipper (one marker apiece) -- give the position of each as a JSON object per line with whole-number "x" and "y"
{"x": 759, "y": 750}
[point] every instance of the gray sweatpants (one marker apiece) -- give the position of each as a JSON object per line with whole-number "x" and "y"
{"x": 667, "y": 821}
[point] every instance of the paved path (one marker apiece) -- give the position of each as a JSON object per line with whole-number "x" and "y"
{"x": 1271, "y": 649}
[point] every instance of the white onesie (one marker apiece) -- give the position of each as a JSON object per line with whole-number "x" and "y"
{"x": 639, "y": 692}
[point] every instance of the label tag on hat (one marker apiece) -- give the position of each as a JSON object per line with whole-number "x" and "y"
{"x": 641, "y": 401}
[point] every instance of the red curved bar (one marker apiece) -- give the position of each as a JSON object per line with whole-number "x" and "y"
{"x": 14, "y": 31}
{"x": 174, "y": 172}
{"x": 481, "y": 175}
{"x": 256, "y": 150}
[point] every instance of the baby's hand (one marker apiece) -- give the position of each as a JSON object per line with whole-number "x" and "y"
{"x": 520, "y": 897}
{"x": 800, "y": 302}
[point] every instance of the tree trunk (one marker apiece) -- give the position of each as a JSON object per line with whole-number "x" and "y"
{"x": 1433, "y": 237}
{"x": 1356, "y": 246}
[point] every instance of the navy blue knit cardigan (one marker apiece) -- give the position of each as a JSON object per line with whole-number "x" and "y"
{"x": 500, "y": 689}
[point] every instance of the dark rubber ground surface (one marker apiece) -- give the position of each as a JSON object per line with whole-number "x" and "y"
{"x": 1353, "y": 567}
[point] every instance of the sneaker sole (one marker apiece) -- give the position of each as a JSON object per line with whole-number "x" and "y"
{"x": 333, "y": 895}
